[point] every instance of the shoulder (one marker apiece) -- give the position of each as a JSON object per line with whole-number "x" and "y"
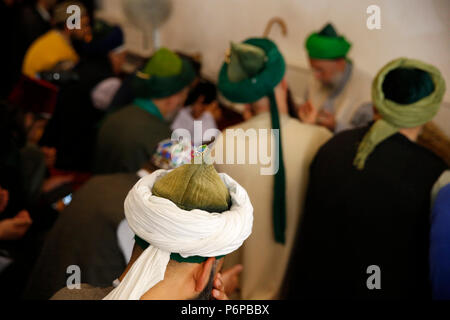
{"x": 86, "y": 292}
{"x": 343, "y": 142}
{"x": 292, "y": 124}
{"x": 361, "y": 75}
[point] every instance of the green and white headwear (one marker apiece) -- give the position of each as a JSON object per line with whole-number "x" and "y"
{"x": 254, "y": 69}
{"x": 165, "y": 74}
{"x": 407, "y": 93}
{"x": 327, "y": 44}
{"x": 188, "y": 215}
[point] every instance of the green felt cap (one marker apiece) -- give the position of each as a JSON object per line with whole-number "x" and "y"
{"x": 327, "y": 44}
{"x": 164, "y": 63}
{"x": 165, "y": 74}
{"x": 194, "y": 186}
{"x": 246, "y": 61}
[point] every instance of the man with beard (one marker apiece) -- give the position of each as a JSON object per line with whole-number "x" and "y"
{"x": 128, "y": 137}
{"x": 367, "y": 213}
{"x": 337, "y": 88}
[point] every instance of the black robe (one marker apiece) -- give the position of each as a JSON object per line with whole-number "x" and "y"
{"x": 356, "y": 219}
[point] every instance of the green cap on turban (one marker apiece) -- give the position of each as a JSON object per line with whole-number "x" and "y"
{"x": 194, "y": 186}
{"x": 255, "y": 68}
{"x": 165, "y": 74}
{"x": 407, "y": 93}
{"x": 190, "y": 187}
{"x": 327, "y": 44}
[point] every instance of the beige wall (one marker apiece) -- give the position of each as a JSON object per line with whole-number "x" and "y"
{"x": 412, "y": 28}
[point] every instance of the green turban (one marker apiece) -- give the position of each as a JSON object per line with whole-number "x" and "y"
{"x": 190, "y": 187}
{"x": 327, "y": 44}
{"x": 407, "y": 93}
{"x": 255, "y": 68}
{"x": 165, "y": 74}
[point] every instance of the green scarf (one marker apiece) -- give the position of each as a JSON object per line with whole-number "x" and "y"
{"x": 149, "y": 106}
{"x": 255, "y": 68}
{"x": 327, "y": 44}
{"x": 397, "y": 116}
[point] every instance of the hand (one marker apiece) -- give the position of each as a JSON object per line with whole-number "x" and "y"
{"x": 226, "y": 283}
{"x": 308, "y": 113}
{"x": 50, "y": 156}
{"x": 327, "y": 119}
{"x": 15, "y": 228}
{"x": 219, "y": 288}
{"x": 4, "y": 199}
{"x": 248, "y": 113}
{"x": 54, "y": 182}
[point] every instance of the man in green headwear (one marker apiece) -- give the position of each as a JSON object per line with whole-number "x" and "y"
{"x": 365, "y": 232}
{"x": 128, "y": 137}
{"x": 337, "y": 92}
{"x": 254, "y": 74}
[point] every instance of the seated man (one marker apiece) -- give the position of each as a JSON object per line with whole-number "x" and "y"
{"x": 337, "y": 88}
{"x": 85, "y": 233}
{"x": 185, "y": 221}
{"x": 129, "y": 136}
{"x": 265, "y": 254}
{"x": 365, "y": 231}
{"x": 56, "y": 47}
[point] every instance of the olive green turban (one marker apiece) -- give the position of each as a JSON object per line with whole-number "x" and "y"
{"x": 165, "y": 74}
{"x": 327, "y": 44}
{"x": 253, "y": 71}
{"x": 419, "y": 85}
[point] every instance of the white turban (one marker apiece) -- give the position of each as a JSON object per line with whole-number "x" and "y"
{"x": 170, "y": 229}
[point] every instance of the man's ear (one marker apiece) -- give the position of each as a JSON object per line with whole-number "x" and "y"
{"x": 203, "y": 274}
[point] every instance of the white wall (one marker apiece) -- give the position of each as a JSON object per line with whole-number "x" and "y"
{"x": 413, "y": 28}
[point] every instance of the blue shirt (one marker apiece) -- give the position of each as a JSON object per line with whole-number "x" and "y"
{"x": 440, "y": 246}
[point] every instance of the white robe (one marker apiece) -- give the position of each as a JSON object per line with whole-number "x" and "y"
{"x": 264, "y": 260}
{"x": 356, "y": 93}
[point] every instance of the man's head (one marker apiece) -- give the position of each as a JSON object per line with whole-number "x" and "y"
{"x": 61, "y": 18}
{"x": 184, "y": 220}
{"x": 108, "y": 41}
{"x": 169, "y": 106}
{"x": 166, "y": 80}
{"x": 407, "y": 94}
{"x": 327, "y": 55}
{"x": 253, "y": 73}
